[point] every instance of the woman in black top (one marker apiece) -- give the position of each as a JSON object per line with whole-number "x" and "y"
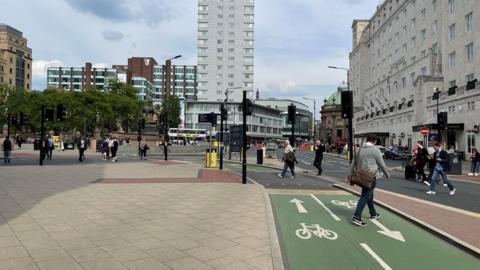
{"x": 475, "y": 162}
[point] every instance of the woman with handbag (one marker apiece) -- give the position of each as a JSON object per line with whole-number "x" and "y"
{"x": 365, "y": 172}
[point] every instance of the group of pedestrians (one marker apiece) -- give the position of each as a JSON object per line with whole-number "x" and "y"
{"x": 289, "y": 158}
{"x": 475, "y": 159}
{"x": 109, "y": 148}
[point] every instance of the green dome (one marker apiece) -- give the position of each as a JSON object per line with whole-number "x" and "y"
{"x": 335, "y": 98}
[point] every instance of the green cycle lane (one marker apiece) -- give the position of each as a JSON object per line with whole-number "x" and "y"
{"x": 316, "y": 232}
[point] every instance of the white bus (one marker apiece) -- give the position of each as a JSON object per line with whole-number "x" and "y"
{"x": 188, "y": 135}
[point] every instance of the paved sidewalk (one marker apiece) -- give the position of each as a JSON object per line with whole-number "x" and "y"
{"x": 54, "y": 217}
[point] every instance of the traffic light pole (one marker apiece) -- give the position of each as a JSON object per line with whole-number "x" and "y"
{"x": 221, "y": 139}
{"x": 244, "y": 145}
{"x": 139, "y": 136}
{"x": 42, "y": 134}
{"x": 165, "y": 138}
{"x": 9, "y": 119}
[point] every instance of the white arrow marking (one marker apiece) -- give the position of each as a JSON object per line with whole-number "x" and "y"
{"x": 385, "y": 231}
{"x": 375, "y": 256}
{"x": 304, "y": 162}
{"x": 299, "y": 205}
{"x": 326, "y": 208}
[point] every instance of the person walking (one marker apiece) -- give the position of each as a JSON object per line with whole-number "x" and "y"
{"x": 420, "y": 160}
{"x": 50, "y": 147}
{"x": 82, "y": 146}
{"x": 288, "y": 159}
{"x": 369, "y": 158}
{"x": 105, "y": 150}
{"x": 7, "y": 150}
{"x": 319, "y": 149}
{"x": 114, "y": 149}
{"x": 441, "y": 168}
{"x": 110, "y": 145}
{"x": 143, "y": 149}
{"x": 475, "y": 158}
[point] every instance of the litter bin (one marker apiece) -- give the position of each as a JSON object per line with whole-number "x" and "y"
{"x": 210, "y": 158}
{"x": 36, "y": 145}
{"x": 455, "y": 164}
{"x": 260, "y": 156}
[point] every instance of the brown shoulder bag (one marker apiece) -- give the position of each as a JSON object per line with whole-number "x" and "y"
{"x": 361, "y": 177}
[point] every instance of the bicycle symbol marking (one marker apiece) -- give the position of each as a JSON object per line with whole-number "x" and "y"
{"x": 307, "y": 231}
{"x": 350, "y": 204}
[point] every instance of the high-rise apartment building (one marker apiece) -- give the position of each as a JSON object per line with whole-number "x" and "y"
{"x": 225, "y": 48}
{"x": 401, "y": 55}
{"x": 15, "y": 58}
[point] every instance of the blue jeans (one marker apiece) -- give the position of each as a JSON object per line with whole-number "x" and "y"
{"x": 6, "y": 156}
{"x": 366, "y": 199}
{"x": 475, "y": 167}
{"x": 436, "y": 174}
{"x": 287, "y": 165}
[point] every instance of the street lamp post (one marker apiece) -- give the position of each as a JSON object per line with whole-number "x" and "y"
{"x": 350, "y": 117}
{"x": 168, "y": 86}
{"x": 314, "y": 117}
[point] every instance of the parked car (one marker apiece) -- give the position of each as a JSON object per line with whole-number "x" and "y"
{"x": 382, "y": 149}
{"x": 398, "y": 152}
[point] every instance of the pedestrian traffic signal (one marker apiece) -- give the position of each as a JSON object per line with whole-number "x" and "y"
{"x": 442, "y": 120}
{"x": 292, "y": 111}
{"x": 347, "y": 102}
{"x": 248, "y": 142}
{"x": 61, "y": 113}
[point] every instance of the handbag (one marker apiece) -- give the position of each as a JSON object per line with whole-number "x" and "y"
{"x": 361, "y": 177}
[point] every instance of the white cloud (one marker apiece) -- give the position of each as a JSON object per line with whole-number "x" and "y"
{"x": 40, "y": 67}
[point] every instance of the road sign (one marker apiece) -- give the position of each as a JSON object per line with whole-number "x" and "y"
{"x": 204, "y": 118}
{"x": 424, "y": 131}
{"x": 236, "y": 138}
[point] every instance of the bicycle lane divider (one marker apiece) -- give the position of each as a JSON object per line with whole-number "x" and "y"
{"x": 309, "y": 242}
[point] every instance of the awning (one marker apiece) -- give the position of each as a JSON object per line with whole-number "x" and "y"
{"x": 453, "y": 126}
{"x": 379, "y": 134}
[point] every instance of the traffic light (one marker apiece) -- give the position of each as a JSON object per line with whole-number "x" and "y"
{"x": 61, "y": 113}
{"x": 248, "y": 142}
{"x": 23, "y": 119}
{"x": 347, "y": 102}
{"x": 142, "y": 123}
{"x": 213, "y": 119}
{"x": 49, "y": 114}
{"x": 249, "y": 107}
{"x": 292, "y": 111}
{"x": 13, "y": 120}
{"x": 442, "y": 120}
{"x": 223, "y": 112}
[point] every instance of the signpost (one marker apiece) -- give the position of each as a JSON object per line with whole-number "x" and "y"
{"x": 424, "y": 131}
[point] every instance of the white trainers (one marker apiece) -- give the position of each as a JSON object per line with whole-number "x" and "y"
{"x": 445, "y": 185}
{"x": 280, "y": 175}
{"x": 426, "y": 183}
{"x": 476, "y": 174}
{"x": 452, "y": 192}
{"x": 470, "y": 174}
{"x": 431, "y": 192}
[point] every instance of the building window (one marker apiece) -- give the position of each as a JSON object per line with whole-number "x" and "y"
{"x": 424, "y": 71}
{"x": 451, "y": 32}
{"x": 413, "y": 43}
{"x": 434, "y": 26}
{"x": 435, "y": 47}
{"x": 423, "y": 53}
{"x": 423, "y": 14}
{"x": 434, "y": 5}
{"x": 451, "y": 6}
{"x": 452, "y": 83}
{"x": 414, "y": 23}
{"x": 423, "y": 34}
{"x": 469, "y": 22}
{"x": 470, "y": 77}
{"x": 451, "y": 60}
{"x": 469, "y": 52}
{"x": 412, "y": 77}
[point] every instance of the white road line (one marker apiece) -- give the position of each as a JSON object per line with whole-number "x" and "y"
{"x": 308, "y": 163}
{"x": 325, "y": 207}
{"x": 375, "y": 256}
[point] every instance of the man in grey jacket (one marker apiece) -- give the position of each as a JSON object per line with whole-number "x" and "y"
{"x": 369, "y": 158}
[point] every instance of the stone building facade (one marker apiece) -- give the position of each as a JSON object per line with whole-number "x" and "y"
{"x": 333, "y": 129}
{"x": 401, "y": 55}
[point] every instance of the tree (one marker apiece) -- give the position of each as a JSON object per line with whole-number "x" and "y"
{"x": 171, "y": 107}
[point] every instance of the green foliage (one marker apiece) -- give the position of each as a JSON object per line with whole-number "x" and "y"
{"x": 171, "y": 107}
{"x": 87, "y": 109}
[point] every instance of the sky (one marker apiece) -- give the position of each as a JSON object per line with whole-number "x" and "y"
{"x": 295, "y": 40}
